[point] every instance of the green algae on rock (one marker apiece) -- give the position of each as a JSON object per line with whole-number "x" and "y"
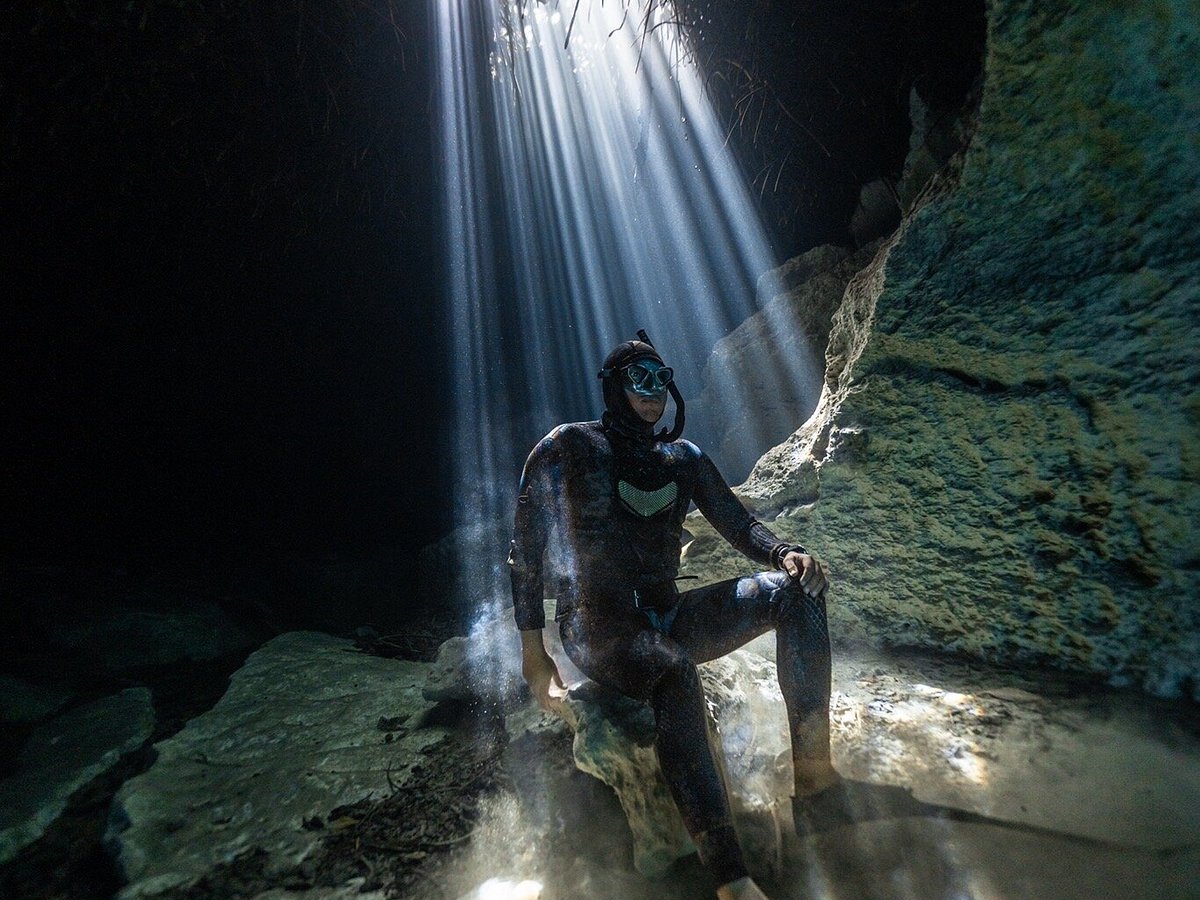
{"x": 1003, "y": 462}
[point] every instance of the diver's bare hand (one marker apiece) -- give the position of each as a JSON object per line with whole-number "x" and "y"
{"x": 813, "y": 580}
{"x": 541, "y": 674}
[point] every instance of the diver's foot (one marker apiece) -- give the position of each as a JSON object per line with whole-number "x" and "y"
{"x": 847, "y": 802}
{"x": 813, "y": 776}
{"x": 742, "y": 889}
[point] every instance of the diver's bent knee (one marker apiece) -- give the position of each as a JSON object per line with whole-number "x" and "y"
{"x": 792, "y": 603}
{"x": 786, "y": 593}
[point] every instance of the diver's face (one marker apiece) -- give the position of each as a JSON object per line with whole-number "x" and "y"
{"x": 648, "y": 409}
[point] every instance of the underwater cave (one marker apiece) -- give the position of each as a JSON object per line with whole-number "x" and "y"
{"x": 340, "y": 561}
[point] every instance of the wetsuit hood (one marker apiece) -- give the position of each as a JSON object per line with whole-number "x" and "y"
{"x": 619, "y": 416}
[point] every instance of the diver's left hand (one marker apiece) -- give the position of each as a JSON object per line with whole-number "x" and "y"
{"x": 813, "y": 580}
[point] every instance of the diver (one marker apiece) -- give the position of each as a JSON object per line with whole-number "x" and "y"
{"x": 607, "y": 501}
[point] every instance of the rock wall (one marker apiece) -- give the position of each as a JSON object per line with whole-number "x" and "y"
{"x": 1005, "y": 457}
{"x": 763, "y": 376}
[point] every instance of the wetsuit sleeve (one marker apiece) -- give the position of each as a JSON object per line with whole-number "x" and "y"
{"x": 535, "y": 501}
{"x": 725, "y": 512}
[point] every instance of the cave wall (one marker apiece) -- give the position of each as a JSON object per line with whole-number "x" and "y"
{"x": 1004, "y": 461}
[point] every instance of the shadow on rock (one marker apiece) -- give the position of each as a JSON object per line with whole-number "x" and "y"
{"x": 851, "y": 802}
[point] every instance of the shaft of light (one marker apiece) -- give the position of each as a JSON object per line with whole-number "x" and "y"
{"x": 588, "y": 192}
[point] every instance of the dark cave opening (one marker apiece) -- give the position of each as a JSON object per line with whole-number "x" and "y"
{"x": 226, "y": 424}
{"x": 219, "y": 240}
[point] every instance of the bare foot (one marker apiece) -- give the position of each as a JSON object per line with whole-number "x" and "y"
{"x": 742, "y": 889}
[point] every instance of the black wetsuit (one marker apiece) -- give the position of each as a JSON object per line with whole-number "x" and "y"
{"x": 609, "y": 505}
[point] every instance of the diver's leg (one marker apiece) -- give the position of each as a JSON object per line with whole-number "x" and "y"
{"x": 713, "y": 620}
{"x": 638, "y": 661}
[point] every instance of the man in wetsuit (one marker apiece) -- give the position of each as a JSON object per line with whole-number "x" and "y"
{"x": 607, "y": 499}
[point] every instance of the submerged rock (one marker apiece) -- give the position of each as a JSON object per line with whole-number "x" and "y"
{"x": 765, "y": 376}
{"x": 1004, "y": 459}
{"x": 614, "y": 741}
{"x": 62, "y": 756}
{"x": 614, "y": 735}
{"x": 306, "y": 725}
{"x": 485, "y": 665}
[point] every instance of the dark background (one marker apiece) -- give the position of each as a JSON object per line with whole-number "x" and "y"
{"x": 222, "y": 345}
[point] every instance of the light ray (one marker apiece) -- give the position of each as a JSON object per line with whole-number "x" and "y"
{"x": 588, "y": 192}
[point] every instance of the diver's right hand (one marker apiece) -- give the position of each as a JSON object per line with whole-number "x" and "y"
{"x": 541, "y": 674}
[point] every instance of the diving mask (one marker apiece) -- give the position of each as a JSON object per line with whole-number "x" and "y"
{"x": 647, "y": 377}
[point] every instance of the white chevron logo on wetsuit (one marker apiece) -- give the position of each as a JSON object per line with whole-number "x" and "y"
{"x": 647, "y": 503}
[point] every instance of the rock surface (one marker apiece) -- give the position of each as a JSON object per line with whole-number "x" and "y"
{"x": 1115, "y": 768}
{"x": 614, "y": 735}
{"x": 614, "y": 741}
{"x": 1091, "y": 793}
{"x": 485, "y": 666}
{"x": 63, "y": 755}
{"x": 763, "y": 377}
{"x": 306, "y": 725}
{"x": 1005, "y": 458}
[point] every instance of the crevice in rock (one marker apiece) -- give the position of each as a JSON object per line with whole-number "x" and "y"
{"x": 767, "y": 487}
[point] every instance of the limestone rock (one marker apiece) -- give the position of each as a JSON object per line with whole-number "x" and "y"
{"x": 1024, "y": 747}
{"x": 614, "y": 741}
{"x": 1007, "y": 445}
{"x": 63, "y": 755}
{"x": 306, "y": 725}
{"x": 765, "y": 376}
{"x": 485, "y": 666}
{"x": 614, "y": 735}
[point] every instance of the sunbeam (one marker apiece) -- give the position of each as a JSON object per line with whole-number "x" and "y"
{"x": 588, "y": 191}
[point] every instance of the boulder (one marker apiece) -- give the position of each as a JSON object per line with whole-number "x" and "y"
{"x": 614, "y": 741}
{"x": 1003, "y": 461}
{"x": 62, "y": 756}
{"x": 614, "y": 735}
{"x": 307, "y": 724}
{"x": 485, "y": 665}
